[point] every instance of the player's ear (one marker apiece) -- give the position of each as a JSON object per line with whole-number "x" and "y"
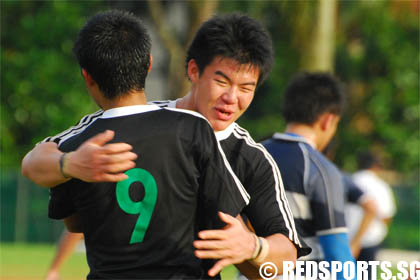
{"x": 88, "y": 78}
{"x": 193, "y": 71}
{"x": 325, "y": 120}
{"x": 150, "y": 63}
{"x": 329, "y": 120}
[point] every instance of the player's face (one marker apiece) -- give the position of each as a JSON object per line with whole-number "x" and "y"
{"x": 224, "y": 90}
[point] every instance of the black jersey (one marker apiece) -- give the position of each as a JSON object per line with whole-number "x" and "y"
{"x": 268, "y": 210}
{"x": 144, "y": 226}
{"x": 314, "y": 188}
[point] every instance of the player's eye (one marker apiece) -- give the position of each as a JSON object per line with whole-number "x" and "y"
{"x": 246, "y": 89}
{"x": 220, "y": 82}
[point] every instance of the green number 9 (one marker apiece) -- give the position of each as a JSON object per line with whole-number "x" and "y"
{"x": 145, "y": 207}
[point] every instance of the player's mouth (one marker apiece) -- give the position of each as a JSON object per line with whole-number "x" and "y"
{"x": 224, "y": 115}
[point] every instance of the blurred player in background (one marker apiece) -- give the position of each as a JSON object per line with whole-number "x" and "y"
{"x": 367, "y": 179}
{"x": 313, "y": 104}
{"x": 65, "y": 248}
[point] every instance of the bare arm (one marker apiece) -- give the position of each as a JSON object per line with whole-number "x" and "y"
{"x": 93, "y": 161}
{"x": 41, "y": 165}
{"x": 235, "y": 244}
{"x": 281, "y": 249}
{"x": 369, "y": 208}
{"x": 65, "y": 248}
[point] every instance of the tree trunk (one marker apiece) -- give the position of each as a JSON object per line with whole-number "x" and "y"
{"x": 320, "y": 54}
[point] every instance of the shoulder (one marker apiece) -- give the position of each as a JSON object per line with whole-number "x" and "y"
{"x": 84, "y": 122}
{"x": 238, "y": 138}
{"x": 190, "y": 120}
{"x": 170, "y": 106}
{"x": 324, "y": 175}
{"x": 282, "y": 146}
{"x": 324, "y": 165}
{"x": 186, "y": 113}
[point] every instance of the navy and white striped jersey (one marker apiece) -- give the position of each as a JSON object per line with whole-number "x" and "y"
{"x": 268, "y": 210}
{"x": 144, "y": 227}
{"x": 314, "y": 188}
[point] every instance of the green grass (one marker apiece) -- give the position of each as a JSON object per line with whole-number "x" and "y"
{"x": 31, "y": 262}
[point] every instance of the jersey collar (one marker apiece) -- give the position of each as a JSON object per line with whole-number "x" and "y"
{"x": 293, "y": 137}
{"x": 128, "y": 110}
{"x": 223, "y": 134}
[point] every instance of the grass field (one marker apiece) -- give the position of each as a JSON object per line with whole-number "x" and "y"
{"x": 30, "y": 262}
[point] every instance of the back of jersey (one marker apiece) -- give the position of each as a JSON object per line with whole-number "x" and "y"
{"x": 144, "y": 226}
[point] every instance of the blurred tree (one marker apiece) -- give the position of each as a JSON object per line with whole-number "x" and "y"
{"x": 320, "y": 54}
{"x": 199, "y": 11}
{"x": 376, "y": 55}
{"x": 42, "y": 90}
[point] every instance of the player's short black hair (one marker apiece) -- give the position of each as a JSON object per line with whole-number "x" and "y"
{"x": 309, "y": 95}
{"x": 235, "y": 36}
{"x": 114, "y": 48}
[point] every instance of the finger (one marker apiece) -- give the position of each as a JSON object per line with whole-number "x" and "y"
{"x": 116, "y": 148}
{"x": 209, "y": 245}
{"x": 217, "y": 267}
{"x": 118, "y": 167}
{"x": 212, "y": 234}
{"x": 102, "y": 138}
{"x": 228, "y": 219}
{"x": 106, "y": 177}
{"x": 213, "y": 254}
{"x": 118, "y": 158}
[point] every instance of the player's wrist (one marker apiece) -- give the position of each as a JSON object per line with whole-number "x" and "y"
{"x": 261, "y": 251}
{"x": 64, "y": 164}
{"x": 256, "y": 246}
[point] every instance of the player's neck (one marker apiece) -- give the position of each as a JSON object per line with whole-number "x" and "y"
{"x": 306, "y": 131}
{"x": 128, "y": 99}
{"x": 186, "y": 102}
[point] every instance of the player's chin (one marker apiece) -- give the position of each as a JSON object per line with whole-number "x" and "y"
{"x": 219, "y": 125}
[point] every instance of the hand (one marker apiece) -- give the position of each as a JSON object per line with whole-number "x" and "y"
{"x": 96, "y": 161}
{"x": 231, "y": 245}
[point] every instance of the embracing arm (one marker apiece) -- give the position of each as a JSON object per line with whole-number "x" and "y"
{"x": 281, "y": 249}
{"x": 93, "y": 161}
{"x": 41, "y": 165}
{"x": 235, "y": 244}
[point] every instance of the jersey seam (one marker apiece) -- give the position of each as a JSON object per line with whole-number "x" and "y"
{"x": 327, "y": 186}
